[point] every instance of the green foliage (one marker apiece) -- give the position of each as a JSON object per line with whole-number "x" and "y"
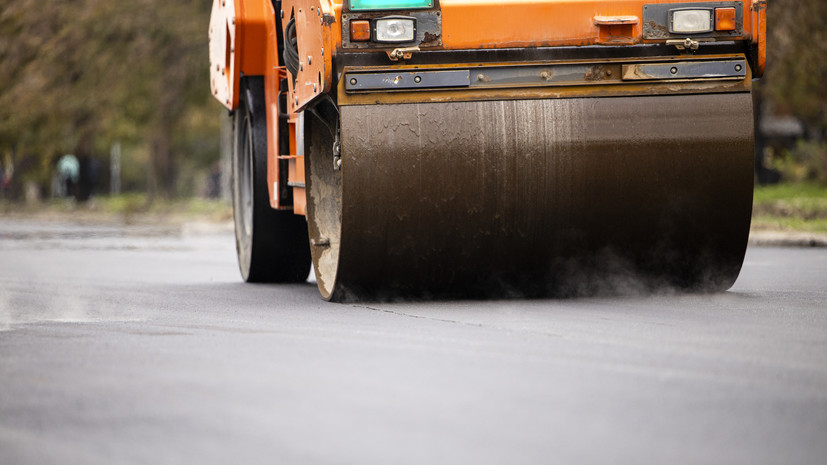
{"x": 806, "y": 162}
{"x": 802, "y": 194}
{"x": 791, "y": 206}
{"x": 797, "y": 54}
{"x": 139, "y": 203}
{"x": 786, "y": 223}
{"x": 130, "y": 208}
{"x": 79, "y": 75}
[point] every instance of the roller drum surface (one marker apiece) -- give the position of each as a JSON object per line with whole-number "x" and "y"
{"x": 532, "y": 197}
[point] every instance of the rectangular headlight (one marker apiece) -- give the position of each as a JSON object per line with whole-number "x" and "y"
{"x": 362, "y": 5}
{"x": 690, "y": 21}
{"x": 395, "y": 29}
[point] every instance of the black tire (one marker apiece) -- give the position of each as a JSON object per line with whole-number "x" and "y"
{"x": 272, "y": 245}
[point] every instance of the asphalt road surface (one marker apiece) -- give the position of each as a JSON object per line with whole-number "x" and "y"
{"x": 141, "y": 345}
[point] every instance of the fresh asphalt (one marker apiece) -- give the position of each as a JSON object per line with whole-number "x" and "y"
{"x": 122, "y": 345}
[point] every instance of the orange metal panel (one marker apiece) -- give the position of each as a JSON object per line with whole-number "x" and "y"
{"x": 522, "y": 23}
{"x": 759, "y": 33}
{"x": 238, "y": 44}
{"x": 299, "y": 174}
{"x": 272, "y": 75}
{"x": 616, "y": 30}
{"x": 296, "y": 166}
{"x": 296, "y": 174}
{"x": 318, "y": 29}
{"x": 223, "y": 75}
{"x": 531, "y": 23}
{"x": 243, "y": 40}
{"x": 254, "y": 16}
{"x": 299, "y": 201}
{"x": 291, "y": 177}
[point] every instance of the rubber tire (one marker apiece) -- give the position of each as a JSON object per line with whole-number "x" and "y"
{"x": 272, "y": 245}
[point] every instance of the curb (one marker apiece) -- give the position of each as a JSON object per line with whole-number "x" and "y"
{"x": 206, "y": 228}
{"x": 786, "y": 239}
{"x": 756, "y": 238}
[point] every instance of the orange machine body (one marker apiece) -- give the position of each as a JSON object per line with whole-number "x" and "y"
{"x": 244, "y": 41}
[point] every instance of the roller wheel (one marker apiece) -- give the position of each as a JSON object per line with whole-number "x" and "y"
{"x": 546, "y": 197}
{"x": 272, "y": 245}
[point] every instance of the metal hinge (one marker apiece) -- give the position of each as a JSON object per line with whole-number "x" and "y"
{"x": 405, "y": 53}
{"x": 687, "y": 44}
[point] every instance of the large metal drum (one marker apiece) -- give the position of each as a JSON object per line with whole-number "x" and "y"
{"x": 532, "y": 197}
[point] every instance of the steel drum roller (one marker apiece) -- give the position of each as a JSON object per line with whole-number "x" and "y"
{"x": 535, "y": 197}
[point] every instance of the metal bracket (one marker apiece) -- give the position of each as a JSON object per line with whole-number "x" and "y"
{"x": 405, "y": 53}
{"x": 687, "y": 44}
{"x": 337, "y": 154}
{"x": 407, "y": 79}
{"x": 696, "y": 69}
{"x": 684, "y": 44}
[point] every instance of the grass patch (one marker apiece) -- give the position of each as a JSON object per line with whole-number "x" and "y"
{"x": 790, "y": 207}
{"x": 781, "y": 207}
{"x": 131, "y": 207}
{"x": 138, "y": 204}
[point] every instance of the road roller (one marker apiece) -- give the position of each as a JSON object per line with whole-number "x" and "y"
{"x": 473, "y": 148}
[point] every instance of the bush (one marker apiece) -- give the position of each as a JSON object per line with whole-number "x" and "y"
{"x": 807, "y": 161}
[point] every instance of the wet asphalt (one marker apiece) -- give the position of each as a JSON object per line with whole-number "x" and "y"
{"x": 139, "y": 344}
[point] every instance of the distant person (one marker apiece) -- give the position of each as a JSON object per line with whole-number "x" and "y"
{"x": 68, "y": 170}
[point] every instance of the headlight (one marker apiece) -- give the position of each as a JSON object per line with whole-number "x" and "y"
{"x": 362, "y": 5}
{"x": 395, "y": 29}
{"x": 691, "y": 21}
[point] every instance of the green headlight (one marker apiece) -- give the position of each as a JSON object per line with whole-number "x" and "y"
{"x": 360, "y": 5}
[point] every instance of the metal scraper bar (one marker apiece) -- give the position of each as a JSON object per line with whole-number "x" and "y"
{"x": 733, "y": 69}
{"x": 407, "y": 80}
{"x": 541, "y": 75}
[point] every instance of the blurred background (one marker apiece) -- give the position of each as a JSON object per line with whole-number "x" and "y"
{"x": 105, "y": 106}
{"x": 107, "y": 102}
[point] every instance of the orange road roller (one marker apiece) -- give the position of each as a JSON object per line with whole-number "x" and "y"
{"x": 429, "y": 148}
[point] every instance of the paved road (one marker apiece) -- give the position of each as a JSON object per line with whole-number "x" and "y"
{"x": 136, "y": 346}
